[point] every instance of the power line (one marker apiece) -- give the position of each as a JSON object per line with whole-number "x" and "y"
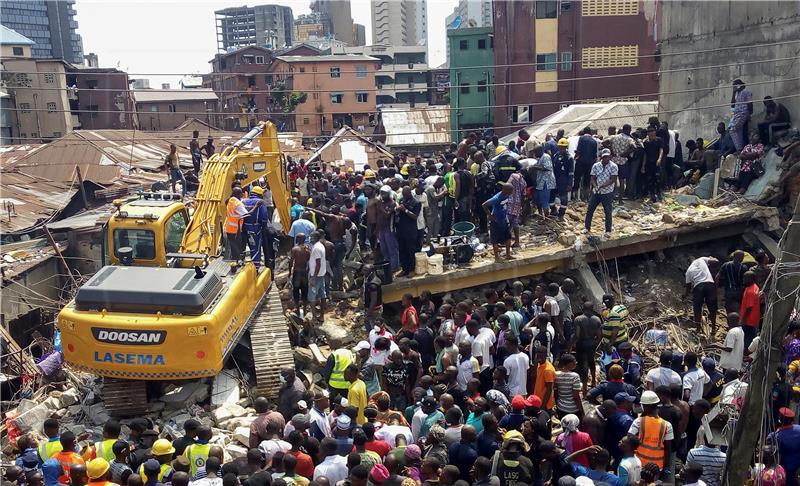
{"x": 220, "y": 74}
{"x": 409, "y": 90}
{"x": 409, "y": 110}
{"x": 517, "y": 126}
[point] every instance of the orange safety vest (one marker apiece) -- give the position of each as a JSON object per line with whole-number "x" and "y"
{"x": 651, "y": 437}
{"x": 66, "y": 459}
{"x": 232, "y": 218}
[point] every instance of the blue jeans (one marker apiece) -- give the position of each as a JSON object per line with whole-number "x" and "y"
{"x": 596, "y": 200}
{"x": 388, "y": 242}
{"x": 253, "y": 238}
{"x": 176, "y": 175}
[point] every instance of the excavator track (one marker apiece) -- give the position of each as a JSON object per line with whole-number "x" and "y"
{"x": 125, "y": 398}
{"x": 270, "y": 345}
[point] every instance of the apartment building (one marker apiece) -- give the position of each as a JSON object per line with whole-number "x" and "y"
{"x": 269, "y": 26}
{"x": 549, "y": 47}
{"x": 471, "y": 78}
{"x": 240, "y": 82}
{"x": 468, "y": 14}
{"x": 399, "y": 22}
{"x": 340, "y": 90}
{"x": 50, "y": 24}
{"x": 100, "y": 97}
{"x": 164, "y": 110}
{"x": 338, "y": 16}
{"x": 307, "y": 25}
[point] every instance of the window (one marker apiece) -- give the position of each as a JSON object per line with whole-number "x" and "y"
{"x": 259, "y": 59}
{"x": 34, "y": 135}
{"x": 336, "y": 72}
{"x": 481, "y": 43}
{"x": 306, "y": 121}
{"x": 51, "y": 107}
{"x": 522, "y": 114}
{"x": 547, "y": 9}
{"x": 25, "y": 107}
{"x": 604, "y": 8}
{"x": 91, "y": 84}
{"x": 302, "y": 69}
{"x": 608, "y": 57}
{"x": 463, "y": 89}
{"x": 491, "y": 41}
{"x": 362, "y": 97}
{"x": 316, "y": 96}
{"x": 361, "y": 71}
{"x": 92, "y": 109}
{"x": 268, "y": 79}
{"x": 49, "y": 78}
{"x": 173, "y": 231}
{"x": 57, "y": 135}
{"x": 566, "y": 61}
{"x": 143, "y": 243}
{"x": 251, "y": 81}
{"x": 336, "y": 98}
{"x": 547, "y": 62}
{"x": 154, "y": 108}
{"x": 463, "y": 45}
{"x": 17, "y": 51}
{"x": 171, "y": 107}
{"x": 481, "y": 86}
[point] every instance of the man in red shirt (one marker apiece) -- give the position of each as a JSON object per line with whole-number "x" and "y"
{"x": 305, "y": 465}
{"x": 380, "y": 447}
{"x": 750, "y": 309}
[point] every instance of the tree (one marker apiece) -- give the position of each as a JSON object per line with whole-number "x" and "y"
{"x": 287, "y": 101}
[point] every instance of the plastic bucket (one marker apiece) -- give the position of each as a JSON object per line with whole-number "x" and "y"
{"x": 421, "y": 263}
{"x": 436, "y": 264}
{"x": 463, "y": 228}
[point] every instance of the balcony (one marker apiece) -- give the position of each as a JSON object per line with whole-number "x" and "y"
{"x": 403, "y": 68}
{"x": 386, "y": 91}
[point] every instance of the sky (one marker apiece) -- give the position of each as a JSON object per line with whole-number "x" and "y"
{"x": 148, "y": 37}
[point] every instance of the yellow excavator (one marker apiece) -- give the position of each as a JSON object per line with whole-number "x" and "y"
{"x": 170, "y": 306}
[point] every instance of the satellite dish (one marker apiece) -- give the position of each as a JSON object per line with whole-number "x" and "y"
{"x": 456, "y": 23}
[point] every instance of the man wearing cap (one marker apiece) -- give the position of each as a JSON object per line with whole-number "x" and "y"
{"x": 631, "y": 363}
{"x": 655, "y": 434}
{"x": 119, "y": 466}
{"x": 564, "y": 172}
{"x": 99, "y": 472}
{"x": 424, "y": 418}
{"x": 787, "y": 438}
{"x": 513, "y": 466}
{"x": 601, "y": 186}
{"x": 515, "y": 417}
{"x": 320, "y": 426}
{"x": 619, "y": 423}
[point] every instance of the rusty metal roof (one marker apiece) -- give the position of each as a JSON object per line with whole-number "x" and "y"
{"x": 424, "y": 126}
{"x": 28, "y": 201}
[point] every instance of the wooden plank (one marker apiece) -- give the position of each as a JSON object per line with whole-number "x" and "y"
{"x": 318, "y": 356}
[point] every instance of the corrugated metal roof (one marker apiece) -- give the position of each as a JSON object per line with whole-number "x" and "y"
{"x": 26, "y": 201}
{"x": 331, "y": 57}
{"x": 598, "y": 116}
{"x": 12, "y": 37}
{"x": 424, "y": 126}
{"x": 348, "y": 144}
{"x": 156, "y": 95}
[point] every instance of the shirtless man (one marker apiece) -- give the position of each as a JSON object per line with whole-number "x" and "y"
{"x": 587, "y": 337}
{"x": 298, "y": 271}
{"x": 337, "y": 226}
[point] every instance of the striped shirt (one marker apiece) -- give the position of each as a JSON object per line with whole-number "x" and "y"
{"x": 615, "y": 318}
{"x": 567, "y": 382}
{"x": 118, "y": 471}
{"x": 712, "y": 460}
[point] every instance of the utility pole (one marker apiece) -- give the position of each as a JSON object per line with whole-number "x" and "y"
{"x": 781, "y": 302}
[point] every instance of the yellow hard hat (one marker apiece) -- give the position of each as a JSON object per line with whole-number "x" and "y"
{"x": 500, "y": 150}
{"x": 563, "y": 142}
{"x": 404, "y": 169}
{"x": 96, "y": 468}
{"x": 369, "y": 174}
{"x": 162, "y": 447}
{"x": 257, "y": 190}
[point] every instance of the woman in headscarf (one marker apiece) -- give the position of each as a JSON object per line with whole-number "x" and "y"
{"x": 572, "y": 440}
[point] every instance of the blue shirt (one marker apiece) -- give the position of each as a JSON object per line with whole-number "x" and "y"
{"x": 788, "y": 441}
{"x": 512, "y": 421}
{"x": 499, "y": 203}
{"x": 463, "y": 456}
{"x": 296, "y": 211}
{"x": 487, "y": 444}
{"x": 302, "y": 226}
{"x": 563, "y": 169}
{"x": 594, "y": 475}
{"x": 616, "y": 428}
{"x": 257, "y": 220}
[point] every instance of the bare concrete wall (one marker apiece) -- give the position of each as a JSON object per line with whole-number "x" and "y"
{"x": 691, "y": 26}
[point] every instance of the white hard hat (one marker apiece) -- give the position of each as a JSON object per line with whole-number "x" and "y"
{"x": 650, "y": 398}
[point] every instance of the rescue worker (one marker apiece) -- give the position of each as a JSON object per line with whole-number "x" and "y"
{"x": 654, "y": 433}
{"x": 99, "y": 473}
{"x": 197, "y": 453}
{"x": 254, "y": 223}
{"x": 505, "y": 164}
{"x": 235, "y": 212}
{"x": 162, "y": 451}
{"x": 564, "y": 171}
{"x": 67, "y": 456}
{"x": 615, "y": 323}
{"x": 333, "y": 372}
{"x": 140, "y": 451}
{"x": 103, "y": 448}
{"x": 52, "y": 446}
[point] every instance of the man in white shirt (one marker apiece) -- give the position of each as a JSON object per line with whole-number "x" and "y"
{"x": 694, "y": 380}
{"x": 700, "y": 282}
{"x": 482, "y": 341}
{"x": 517, "y": 364}
{"x": 663, "y": 375}
{"x": 732, "y": 349}
{"x": 334, "y": 466}
{"x": 317, "y": 269}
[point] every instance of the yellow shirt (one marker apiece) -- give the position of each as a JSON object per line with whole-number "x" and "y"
{"x": 357, "y": 397}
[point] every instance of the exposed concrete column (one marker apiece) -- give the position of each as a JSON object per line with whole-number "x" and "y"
{"x": 758, "y": 237}
{"x": 589, "y": 282}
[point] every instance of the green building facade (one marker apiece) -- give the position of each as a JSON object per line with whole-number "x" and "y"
{"x": 471, "y": 79}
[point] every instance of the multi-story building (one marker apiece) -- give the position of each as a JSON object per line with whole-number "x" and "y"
{"x": 307, "y": 25}
{"x": 401, "y": 75}
{"x": 471, "y": 79}
{"x": 239, "y": 79}
{"x": 439, "y": 86}
{"x": 467, "y": 14}
{"x": 535, "y": 73}
{"x": 339, "y": 89}
{"x": 100, "y": 98}
{"x": 338, "y": 16}
{"x": 50, "y": 24}
{"x": 161, "y": 110}
{"x": 269, "y": 26}
{"x": 359, "y": 35}
{"x": 399, "y": 22}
